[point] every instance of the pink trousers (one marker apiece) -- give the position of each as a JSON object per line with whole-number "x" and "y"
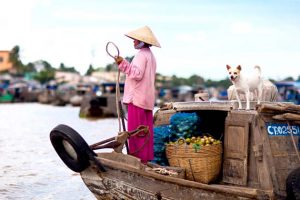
{"x": 141, "y": 147}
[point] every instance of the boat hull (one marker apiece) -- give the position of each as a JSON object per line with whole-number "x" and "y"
{"x": 136, "y": 183}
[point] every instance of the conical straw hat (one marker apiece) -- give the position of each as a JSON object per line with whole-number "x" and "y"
{"x": 144, "y": 34}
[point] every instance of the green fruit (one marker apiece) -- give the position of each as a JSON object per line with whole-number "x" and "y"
{"x": 188, "y": 140}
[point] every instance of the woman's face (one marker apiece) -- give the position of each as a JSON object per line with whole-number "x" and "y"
{"x": 135, "y": 43}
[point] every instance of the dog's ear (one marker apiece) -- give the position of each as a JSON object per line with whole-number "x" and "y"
{"x": 228, "y": 67}
{"x": 239, "y": 67}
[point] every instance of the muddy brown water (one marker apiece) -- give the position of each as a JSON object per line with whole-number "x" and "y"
{"x": 29, "y": 166}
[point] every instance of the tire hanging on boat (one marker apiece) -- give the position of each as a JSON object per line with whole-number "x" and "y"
{"x": 293, "y": 185}
{"x": 72, "y": 148}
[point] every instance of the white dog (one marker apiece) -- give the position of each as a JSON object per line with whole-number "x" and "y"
{"x": 245, "y": 84}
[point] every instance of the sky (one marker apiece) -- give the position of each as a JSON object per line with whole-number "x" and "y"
{"x": 197, "y": 37}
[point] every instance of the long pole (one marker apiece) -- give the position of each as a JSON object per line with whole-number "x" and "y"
{"x": 118, "y": 101}
{"x": 121, "y": 114}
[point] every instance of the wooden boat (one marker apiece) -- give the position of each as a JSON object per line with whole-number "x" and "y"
{"x": 63, "y": 94}
{"x": 81, "y": 91}
{"x": 103, "y": 105}
{"x": 48, "y": 93}
{"x": 24, "y": 91}
{"x": 260, "y": 157}
{"x": 6, "y": 97}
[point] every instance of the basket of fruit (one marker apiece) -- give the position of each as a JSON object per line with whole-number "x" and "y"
{"x": 201, "y": 157}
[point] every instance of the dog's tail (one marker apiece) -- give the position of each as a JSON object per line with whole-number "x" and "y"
{"x": 258, "y": 70}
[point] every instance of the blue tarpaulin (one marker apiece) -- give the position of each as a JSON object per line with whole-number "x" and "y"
{"x": 182, "y": 125}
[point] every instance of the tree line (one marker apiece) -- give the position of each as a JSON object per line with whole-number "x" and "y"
{"x": 46, "y": 73}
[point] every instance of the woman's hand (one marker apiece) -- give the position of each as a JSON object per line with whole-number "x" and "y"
{"x": 118, "y": 59}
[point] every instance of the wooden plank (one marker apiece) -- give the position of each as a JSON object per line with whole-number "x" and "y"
{"x": 287, "y": 116}
{"x": 235, "y": 141}
{"x": 279, "y": 107}
{"x": 263, "y": 174}
{"x": 236, "y": 150}
{"x": 119, "y": 157}
{"x": 253, "y": 174}
{"x": 205, "y": 105}
{"x": 268, "y": 157}
{"x": 122, "y": 178}
{"x": 282, "y": 145}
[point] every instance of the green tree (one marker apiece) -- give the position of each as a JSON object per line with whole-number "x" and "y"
{"x": 272, "y": 80}
{"x": 90, "y": 70}
{"x": 63, "y": 68}
{"x": 111, "y": 67}
{"x": 225, "y": 83}
{"x": 219, "y": 84}
{"x": 289, "y": 79}
{"x": 29, "y": 67}
{"x": 14, "y": 58}
{"x": 177, "y": 81}
{"x": 46, "y": 74}
{"x": 100, "y": 69}
{"x": 195, "y": 80}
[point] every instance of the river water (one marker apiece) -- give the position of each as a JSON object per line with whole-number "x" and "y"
{"x": 29, "y": 166}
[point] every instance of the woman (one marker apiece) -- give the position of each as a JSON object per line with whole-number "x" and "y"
{"x": 139, "y": 92}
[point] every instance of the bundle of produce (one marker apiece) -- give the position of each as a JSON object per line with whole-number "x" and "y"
{"x": 161, "y": 137}
{"x": 184, "y": 125}
{"x": 200, "y": 156}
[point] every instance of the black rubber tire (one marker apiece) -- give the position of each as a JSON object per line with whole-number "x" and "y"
{"x": 83, "y": 152}
{"x": 293, "y": 185}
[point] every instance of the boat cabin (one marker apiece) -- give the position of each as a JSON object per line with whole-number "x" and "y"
{"x": 260, "y": 146}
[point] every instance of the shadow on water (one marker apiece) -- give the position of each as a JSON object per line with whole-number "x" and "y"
{"x": 29, "y": 166}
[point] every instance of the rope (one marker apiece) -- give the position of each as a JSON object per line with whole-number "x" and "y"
{"x": 117, "y": 82}
{"x": 118, "y": 99}
{"x": 107, "y": 45}
{"x": 143, "y": 145}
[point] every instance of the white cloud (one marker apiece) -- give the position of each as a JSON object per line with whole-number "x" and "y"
{"x": 241, "y": 27}
{"x": 191, "y": 37}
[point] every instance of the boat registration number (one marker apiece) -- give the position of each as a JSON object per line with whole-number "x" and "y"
{"x": 276, "y": 129}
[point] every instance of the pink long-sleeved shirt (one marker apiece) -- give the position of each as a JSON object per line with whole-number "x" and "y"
{"x": 140, "y": 79}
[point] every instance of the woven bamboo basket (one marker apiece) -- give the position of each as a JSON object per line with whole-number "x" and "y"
{"x": 201, "y": 165}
